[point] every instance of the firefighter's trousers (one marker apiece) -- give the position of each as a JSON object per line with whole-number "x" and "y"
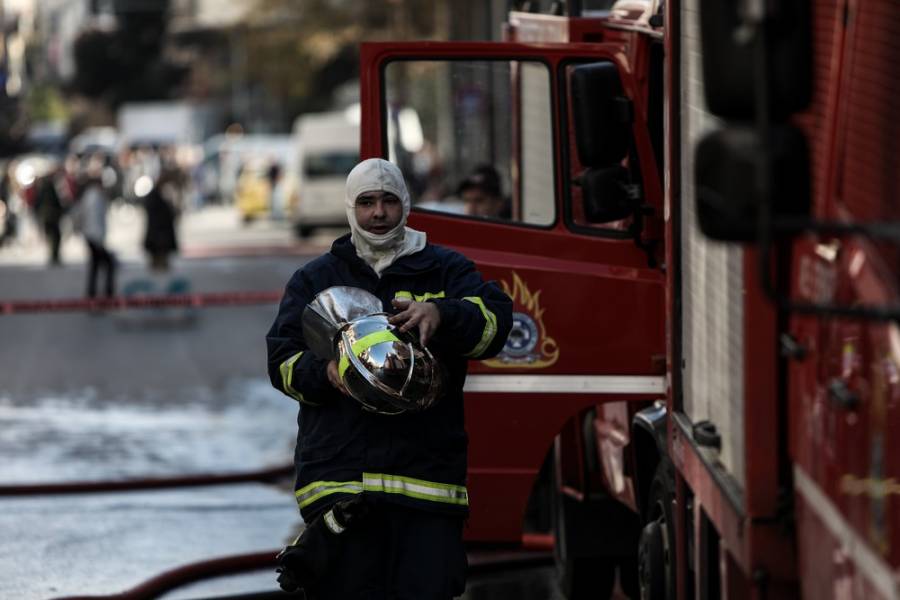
{"x": 399, "y": 554}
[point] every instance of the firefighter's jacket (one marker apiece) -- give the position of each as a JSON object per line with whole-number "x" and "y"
{"x": 415, "y": 459}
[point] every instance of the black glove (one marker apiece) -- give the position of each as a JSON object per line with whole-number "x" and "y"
{"x": 303, "y": 564}
{"x": 287, "y": 580}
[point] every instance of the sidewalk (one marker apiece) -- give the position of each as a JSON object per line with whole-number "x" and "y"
{"x": 210, "y": 231}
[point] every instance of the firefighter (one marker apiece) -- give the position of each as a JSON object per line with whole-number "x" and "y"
{"x": 405, "y": 473}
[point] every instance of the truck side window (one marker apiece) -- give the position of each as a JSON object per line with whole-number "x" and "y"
{"x": 473, "y": 137}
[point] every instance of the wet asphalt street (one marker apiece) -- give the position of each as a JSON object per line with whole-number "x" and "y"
{"x": 133, "y": 394}
{"x": 150, "y": 393}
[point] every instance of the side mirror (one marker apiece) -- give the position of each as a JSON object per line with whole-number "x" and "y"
{"x": 607, "y": 195}
{"x": 601, "y": 113}
{"x": 728, "y": 58}
{"x": 726, "y": 172}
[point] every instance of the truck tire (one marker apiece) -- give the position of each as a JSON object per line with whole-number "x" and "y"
{"x": 579, "y": 577}
{"x": 656, "y": 549}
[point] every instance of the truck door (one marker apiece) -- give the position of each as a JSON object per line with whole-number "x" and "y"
{"x": 484, "y": 134}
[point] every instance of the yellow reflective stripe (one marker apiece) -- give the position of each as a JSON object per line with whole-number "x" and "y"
{"x": 332, "y": 524}
{"x": 416, "y": 488}
{"x": 363, "y": 344}
{"x": 420, "y": 297}
{"x": 319, "y": 489}
{"x": 490, "y": 326}
{"x": 287, "y": 377}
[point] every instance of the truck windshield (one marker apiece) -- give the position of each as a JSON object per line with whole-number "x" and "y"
{"x": 473, "y": 136}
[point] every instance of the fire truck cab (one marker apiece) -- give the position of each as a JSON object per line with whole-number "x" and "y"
{"x": 563, "y": 126}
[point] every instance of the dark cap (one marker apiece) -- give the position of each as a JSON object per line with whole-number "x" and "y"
{"x": 485, "y": 178}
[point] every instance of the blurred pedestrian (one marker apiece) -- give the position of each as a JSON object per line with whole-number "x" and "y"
{"x": 8, "y": 216}
{"x": 159, "y": 238}
{"x": 282, "y": 192}
{"x": 90, "y": 220}
{"x": 48, "y": 208}
{"x": 67, "y": 181}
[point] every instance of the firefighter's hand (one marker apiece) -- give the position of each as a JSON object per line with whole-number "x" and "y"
{"x": 334, "y": 378}
{"x": 293, "y": 572}
{"x": 424, "y": 315}
{"x": 287, "y": 581}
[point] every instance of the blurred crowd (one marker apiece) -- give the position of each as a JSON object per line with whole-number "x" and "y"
{"x": 44, "y": 192}
{"x": 71, "y": 195}
{"x": 49, "y": 190}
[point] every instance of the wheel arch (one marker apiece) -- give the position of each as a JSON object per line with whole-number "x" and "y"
{"x": 648, "y": 434}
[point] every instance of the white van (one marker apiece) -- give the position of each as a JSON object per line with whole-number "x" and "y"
{"x": 328, "y": 148}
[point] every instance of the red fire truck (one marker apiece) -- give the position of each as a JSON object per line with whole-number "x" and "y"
{"x": 698, "y": 417}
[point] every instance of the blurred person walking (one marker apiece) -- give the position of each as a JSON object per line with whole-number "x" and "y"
{"x": 159, "y": 238}
{"x": 49, "y": 209}
{"x": 7, "y": 214}
{"x": 284, "y": 192}
{"x": 90, "y": 220}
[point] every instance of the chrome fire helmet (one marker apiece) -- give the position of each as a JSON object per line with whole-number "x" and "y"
{"x": 387, "y": 371}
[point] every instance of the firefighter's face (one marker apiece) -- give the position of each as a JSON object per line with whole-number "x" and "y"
{"x": 378, "y": 212}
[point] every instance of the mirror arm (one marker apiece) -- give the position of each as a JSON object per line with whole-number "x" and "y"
{"x": 636, "y": 228}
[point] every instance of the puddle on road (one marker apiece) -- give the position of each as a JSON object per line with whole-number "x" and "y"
{"x": 245, "y": 425}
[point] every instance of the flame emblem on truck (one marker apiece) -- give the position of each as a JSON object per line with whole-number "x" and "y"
{"x": 528, "y": 345}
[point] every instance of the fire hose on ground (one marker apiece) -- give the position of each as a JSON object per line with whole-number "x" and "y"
{"x": 239, "y": 563}
{"x": 204, "y": 300}
{"x": 147, "y": 483}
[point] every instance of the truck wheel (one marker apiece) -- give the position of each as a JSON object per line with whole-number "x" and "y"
{"x": 579, "y": 577}
{"x": 656, "y": 549}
